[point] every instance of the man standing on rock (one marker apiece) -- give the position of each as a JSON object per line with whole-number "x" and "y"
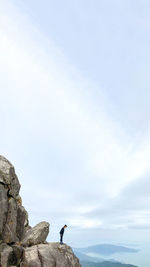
{"x": 62, "y": 233}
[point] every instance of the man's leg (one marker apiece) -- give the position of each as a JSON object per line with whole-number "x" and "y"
{"x": 61, "y": 239}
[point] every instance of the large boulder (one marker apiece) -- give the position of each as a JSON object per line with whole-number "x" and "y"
{"x": 50, "y": 255}
{"x": 36, "y": 235}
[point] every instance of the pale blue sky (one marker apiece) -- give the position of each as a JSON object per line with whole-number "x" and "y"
{"x": 75, "y": 90}
{"x": 108, "y": 42}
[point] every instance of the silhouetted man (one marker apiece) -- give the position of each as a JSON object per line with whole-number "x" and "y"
{"x": 62, "y": 233}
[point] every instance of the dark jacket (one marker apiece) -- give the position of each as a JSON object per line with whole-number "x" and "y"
{"x": 62, "y": 231}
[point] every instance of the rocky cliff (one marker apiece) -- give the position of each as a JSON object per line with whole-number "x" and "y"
{"x": 20, "y": 244}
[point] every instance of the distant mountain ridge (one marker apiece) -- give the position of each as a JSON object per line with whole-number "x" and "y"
{"x": 84, "y": 257}
{"x": 106, "y": 249}
{"x": 105, "y": 264}
{"x": 91, "y": 256}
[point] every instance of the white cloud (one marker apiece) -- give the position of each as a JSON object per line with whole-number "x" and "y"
{"x": 84, "y": 223}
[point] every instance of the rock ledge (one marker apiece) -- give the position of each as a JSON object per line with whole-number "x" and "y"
{"x": 20, "y": 244}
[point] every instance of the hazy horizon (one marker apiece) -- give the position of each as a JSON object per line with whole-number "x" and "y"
{"x": 75, "y": 92}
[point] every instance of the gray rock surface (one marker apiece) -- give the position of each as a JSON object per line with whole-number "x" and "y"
{"x": 50, "y": 255}
{"x": 8, "y": 177}
{"x": 13, "y": 216}
{"x": 31, "y": 257}
{"x": 11, "y": 255}
{"x": 9, "y": 234}
{"x": 36, "y": 235}
{"x": 22, "y": 222}
{"x": 7, "y": 257}
{"x": 3, "y": 208}
{"x": 21, "y": 245}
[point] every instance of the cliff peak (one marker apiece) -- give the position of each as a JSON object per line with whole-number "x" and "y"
{"x": 20, "y": 244}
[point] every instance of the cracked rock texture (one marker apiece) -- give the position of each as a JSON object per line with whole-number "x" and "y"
{"x": 50, "y": 255}
{"x": 36, "y": 235}
{"x": 20, "y": 244}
